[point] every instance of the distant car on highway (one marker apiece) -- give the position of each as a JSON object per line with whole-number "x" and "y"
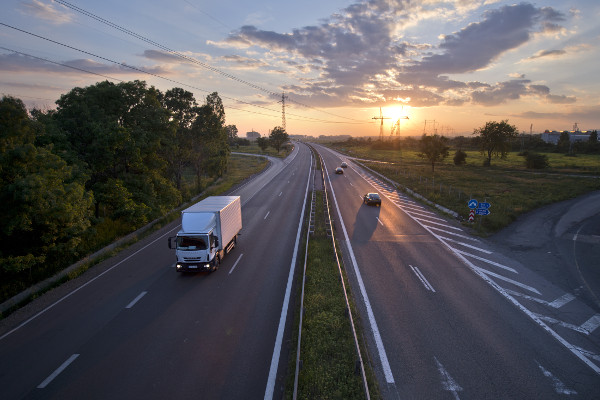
{"x": 372, "y": 198}
{"x": 339, "y": 170}
{"x": 344, "y": 165}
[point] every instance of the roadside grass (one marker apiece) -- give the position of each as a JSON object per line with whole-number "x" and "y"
{"x": 254, "y": 149}
{"x": 240, "y": 168}
{"x": 329, "y": 366}
{"x": 329, "y": 359}
{"x": 507, "y": 184}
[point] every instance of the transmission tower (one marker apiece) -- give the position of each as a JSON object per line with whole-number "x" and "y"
{"x": 396, "y": 127}
{"x": 431, "y": 122}
{"x": 381, "y": 117}
{"x": 283, "y": 97}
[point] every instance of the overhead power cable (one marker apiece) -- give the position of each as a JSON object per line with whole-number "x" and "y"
{"x": 145, "y": 72}
{"x": 190, "y": 59}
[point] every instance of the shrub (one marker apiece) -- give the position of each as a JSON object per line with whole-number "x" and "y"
{"x": 460, "y": 157}
{"x": 536, "y": 161}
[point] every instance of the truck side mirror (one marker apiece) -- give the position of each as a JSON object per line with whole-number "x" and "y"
{"x": 170, "y": 245}
{"x": 216, "y": 242}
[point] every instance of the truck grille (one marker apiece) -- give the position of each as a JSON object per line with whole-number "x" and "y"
{"x": 192, "y": 259}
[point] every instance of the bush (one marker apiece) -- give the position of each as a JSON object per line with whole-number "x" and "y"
{"x": 536, "y": 161}
{"x": 460, "y": 157}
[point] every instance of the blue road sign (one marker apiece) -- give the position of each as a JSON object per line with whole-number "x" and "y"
{"x": 484, "y": 205}
{"x": 473, "y": 203}
{"x": 482, "y": 211}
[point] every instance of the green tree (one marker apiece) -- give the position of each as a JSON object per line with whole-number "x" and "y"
{"x": 263, "y": 143}
{"x": 564, "y": 142}
{"x": 178, "y": 148}
{"x": 278, "y": 138}
{"x": 494, "y": 139}
{"x": 44, "y": 208}
{"x": 433, "y": 149}
{"x": 232, "y": 134}
{"x": 211, "y": 146}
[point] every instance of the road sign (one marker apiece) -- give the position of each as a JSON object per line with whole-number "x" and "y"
{"x": 484, "y": 205}
{"x": 471, "y": 215}
{"x": 473, "y": 203}
{"x": 482, "y": 211}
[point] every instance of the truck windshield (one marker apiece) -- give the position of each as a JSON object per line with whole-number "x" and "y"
{"x": 191, "y": 243}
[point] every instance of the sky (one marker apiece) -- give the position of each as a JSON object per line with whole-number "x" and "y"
{"x": 445, "y": 67}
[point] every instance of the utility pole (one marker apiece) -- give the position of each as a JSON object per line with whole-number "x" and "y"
{"x": 381, "y": 117}
{"x": 283, "y": 97}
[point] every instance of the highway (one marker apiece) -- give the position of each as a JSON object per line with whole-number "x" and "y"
{"x": 132, "y": 327}
{"x": 448, "y": 316}
{"x": 445, "y": 315}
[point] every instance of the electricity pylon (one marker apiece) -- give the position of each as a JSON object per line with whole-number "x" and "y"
{"x": 381, "y": 117}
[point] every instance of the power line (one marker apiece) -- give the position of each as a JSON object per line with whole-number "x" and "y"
{"x": 194, "y": 61}
{"x": 145, "y": 72}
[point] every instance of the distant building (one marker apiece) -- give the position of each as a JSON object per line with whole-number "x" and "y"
{"x": 574, "y": 136}
{"x": 252, "y": 135}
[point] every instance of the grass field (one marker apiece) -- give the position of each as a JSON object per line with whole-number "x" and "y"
{"x": 507, "y": 184}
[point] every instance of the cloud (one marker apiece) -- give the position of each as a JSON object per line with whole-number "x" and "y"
{"x": 548, "y": 53}
{"x": 17, "y": 63}
{"x": 55, "y": 14}
{"x": 360, "y": 55}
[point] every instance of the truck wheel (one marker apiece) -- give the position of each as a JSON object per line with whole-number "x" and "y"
{"x": 216, "y": 264}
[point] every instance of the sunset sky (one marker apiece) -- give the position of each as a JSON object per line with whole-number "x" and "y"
{"x": 445, "y": 65}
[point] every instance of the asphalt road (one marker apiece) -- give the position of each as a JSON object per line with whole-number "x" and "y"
{"x": 448, "y": 315}
{"x": 134, "y": 328}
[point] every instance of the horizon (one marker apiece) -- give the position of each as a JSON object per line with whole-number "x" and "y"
{"x": 438, "y": 66}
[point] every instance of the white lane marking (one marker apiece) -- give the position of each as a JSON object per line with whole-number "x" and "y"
{"x": 236, "y": 263}
{"x": 350, "y": 183}
{"x": 448, "y": 382}
{"x": 387, "y": 370}
{"x": 422, "y": 278}
{"x": 87, "y": 283}
{"x": 268, "y": 212}
{"x": 487, "y": 261}
{"x": 443, "y": 238}
{"x": 379, "y": 221}
{"x": 564, "y": 324}
{"x": 505, "y": 279}
{"x": 452, "y": 233}
{"x": 280, "y": 194}
{"x": 589, "y": 353}
{"x": 270, "y": 389}
{"x": 57, "y": 371}
{"x": 559, "y": 387}
{"x": 562, "y": 300}
{"x": 139, "y": 296}
{"x": 573, "y": 349}
{"x": 591, "y": 324}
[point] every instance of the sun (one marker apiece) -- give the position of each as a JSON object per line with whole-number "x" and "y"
{"x": 398, "y": 112}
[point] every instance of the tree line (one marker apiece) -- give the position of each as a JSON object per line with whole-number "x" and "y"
{"x": 110, "y": 157}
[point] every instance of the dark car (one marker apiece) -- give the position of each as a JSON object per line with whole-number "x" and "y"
{"x": 344, "y": 165}
{"x": 339, "y": 170}
{"x": 372, "y": 198}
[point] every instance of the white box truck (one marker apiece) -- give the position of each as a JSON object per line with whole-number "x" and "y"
{"x": 209, "y": 230}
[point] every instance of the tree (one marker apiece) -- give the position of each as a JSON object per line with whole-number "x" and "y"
{"x": 263, "y": 143}
{"x": 495, "y": 139}
{"x": 44, "y": 208}
{"x": 278, "y": 137}
{"x": 564, "y": 142}
{"x": 232, "y": 134}
{"x": 460, "y": 157}
{"x": 433, "y": 149}
{"x": 178, "y": 148}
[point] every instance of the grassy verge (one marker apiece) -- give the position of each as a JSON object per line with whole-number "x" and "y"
{"x": 254, "y": 149}
{"x": 328, "y": 353}
{"x": 240, "y": 168}
{"x": 507, "y": 185}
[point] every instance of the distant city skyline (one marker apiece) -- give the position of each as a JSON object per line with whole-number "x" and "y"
{"x": 451, "y": 64}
